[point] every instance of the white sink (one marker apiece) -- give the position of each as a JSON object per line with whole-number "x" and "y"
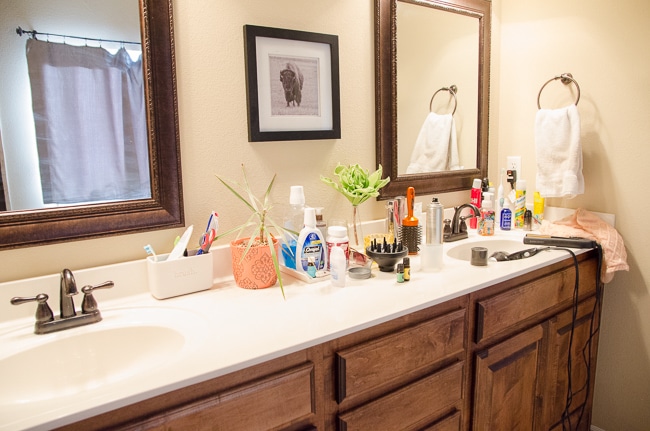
{"x": 463, "y": 251}
{"x": 129, "y": 342}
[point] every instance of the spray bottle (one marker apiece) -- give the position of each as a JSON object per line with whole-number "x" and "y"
{"x": 475, "y": 199}
{"x": 431, "y": 253}
{"x": 520, "y": 204}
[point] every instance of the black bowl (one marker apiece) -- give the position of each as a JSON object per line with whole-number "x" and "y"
{"x": 387, "y": 261}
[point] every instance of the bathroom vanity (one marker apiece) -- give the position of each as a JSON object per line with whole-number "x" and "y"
{"x": 465, "y": 348}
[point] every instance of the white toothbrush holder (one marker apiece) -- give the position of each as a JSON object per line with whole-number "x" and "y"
{"x": 179, "y": 276}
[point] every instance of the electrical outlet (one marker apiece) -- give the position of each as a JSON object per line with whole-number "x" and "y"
{"x": 514, "y": 163}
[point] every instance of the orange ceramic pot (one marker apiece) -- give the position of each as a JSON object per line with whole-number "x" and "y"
{"x": 256, "y": 270}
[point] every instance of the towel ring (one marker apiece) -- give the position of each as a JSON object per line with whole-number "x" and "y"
{"x": 452, "y": 90}
{"x": 566, "y": 79}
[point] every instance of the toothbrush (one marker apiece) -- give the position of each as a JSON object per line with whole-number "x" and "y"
{"x": 149, "y": 249}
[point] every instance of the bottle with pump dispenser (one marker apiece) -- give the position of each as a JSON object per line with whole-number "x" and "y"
{"x": 293, "y": 221}
{"x": 311, "y": 244}
{"x": 486, "y": 223}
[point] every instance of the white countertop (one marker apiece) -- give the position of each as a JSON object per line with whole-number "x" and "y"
{"x": 235, "y": 328}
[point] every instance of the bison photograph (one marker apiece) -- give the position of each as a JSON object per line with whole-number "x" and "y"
{"x": 297, "y": 89}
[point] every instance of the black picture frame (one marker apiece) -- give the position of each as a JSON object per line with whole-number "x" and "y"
{"x": 292, "y": 84}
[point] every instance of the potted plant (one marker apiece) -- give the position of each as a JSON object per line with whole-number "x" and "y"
{"x": 357, "y": 185}
{"x": 255, "y": 257}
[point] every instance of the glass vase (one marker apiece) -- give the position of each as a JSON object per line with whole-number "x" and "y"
{"x": 356, "y": 234}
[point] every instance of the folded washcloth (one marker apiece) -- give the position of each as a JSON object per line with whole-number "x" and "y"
{"x": 585, "y": 224}
{"x": 559, "y": 152}
{"x": 436, "y": 148}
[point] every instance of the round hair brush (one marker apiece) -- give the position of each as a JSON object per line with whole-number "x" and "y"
{"x": 411, "y": 230}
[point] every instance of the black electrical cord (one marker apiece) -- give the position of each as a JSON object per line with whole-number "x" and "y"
{"x": 586, "y": 350}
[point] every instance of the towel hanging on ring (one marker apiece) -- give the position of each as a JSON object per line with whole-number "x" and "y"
{"x": 436, "y": 147}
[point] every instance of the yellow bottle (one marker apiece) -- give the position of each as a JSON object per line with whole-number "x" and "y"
{"x": 520, "y": 204}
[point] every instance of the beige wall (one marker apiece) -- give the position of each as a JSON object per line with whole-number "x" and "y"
{"x": 602, "y": 45}
{"x": 605, "y": 46}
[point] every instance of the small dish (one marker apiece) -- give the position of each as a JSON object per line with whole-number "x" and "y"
{"x": 359, "y": 272}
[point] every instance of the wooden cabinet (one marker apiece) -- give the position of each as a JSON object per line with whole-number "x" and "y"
{"x": 507, "y": 384}
{"x": 523, "y": 337}
{"x": 496, "y": 359}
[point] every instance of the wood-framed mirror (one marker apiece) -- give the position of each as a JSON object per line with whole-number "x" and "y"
{"x": 164, "y": 209}
{"x": 410, "y": 39}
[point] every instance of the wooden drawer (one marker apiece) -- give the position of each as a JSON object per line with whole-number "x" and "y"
{"x": 497, "y": 313}
{"x": 404, "y": 408}
{"x": 267, "y": 403}
{"x": 368, "y": 365}
{"x": 449, "y": 423}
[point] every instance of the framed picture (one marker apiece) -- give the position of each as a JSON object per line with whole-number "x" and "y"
{"x": 292, "y": 80}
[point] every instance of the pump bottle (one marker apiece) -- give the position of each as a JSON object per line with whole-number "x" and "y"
{"x": 293, "y": 221}
{"x": 486, "y": 223}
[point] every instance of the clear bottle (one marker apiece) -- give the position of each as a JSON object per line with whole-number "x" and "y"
{"x": 338, "y": 266}
{"x": 311, "y": 244}
{"x": 293, "y": 221}
{"x": 337, "y": 236}
{"x": 486, "y": 223}
{"x": 321, "y": 224}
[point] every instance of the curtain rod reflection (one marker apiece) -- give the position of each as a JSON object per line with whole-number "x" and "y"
{"x": 34, "y": 33}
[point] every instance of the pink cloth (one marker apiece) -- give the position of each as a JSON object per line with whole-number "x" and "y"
{"x": 585, "y": 224}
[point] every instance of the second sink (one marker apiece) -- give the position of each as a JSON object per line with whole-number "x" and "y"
{"x": 463, "y": 251}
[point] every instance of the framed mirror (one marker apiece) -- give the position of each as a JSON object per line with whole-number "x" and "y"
{"x": 432, "y": 60}
{"x": 163, "y": 206}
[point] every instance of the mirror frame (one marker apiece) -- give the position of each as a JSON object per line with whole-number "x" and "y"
{"x": 386, "y": 99}
{"x": 165, "y": 208}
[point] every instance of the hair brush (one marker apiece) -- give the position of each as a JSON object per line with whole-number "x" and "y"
{"x": 411, "y": 234}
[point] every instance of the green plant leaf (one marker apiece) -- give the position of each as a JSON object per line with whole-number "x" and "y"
{"x": 355, "y": 183}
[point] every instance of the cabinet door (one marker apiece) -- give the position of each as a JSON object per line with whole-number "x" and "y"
{"x": 507, "y": 383}
{"x": 582, "y": 368}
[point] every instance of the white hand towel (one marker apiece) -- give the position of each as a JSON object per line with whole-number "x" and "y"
{"x": 436, "y": 148}
{"x": 559, "y": 152}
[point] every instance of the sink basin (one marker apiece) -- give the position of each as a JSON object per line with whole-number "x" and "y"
{"x": 464, "y": 251}
{"x": 126, "y": 344}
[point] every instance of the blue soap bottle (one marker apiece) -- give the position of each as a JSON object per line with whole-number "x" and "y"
{"x": 506, "y": 218}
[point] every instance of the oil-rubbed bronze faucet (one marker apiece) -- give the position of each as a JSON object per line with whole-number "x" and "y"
{"x": 458, "y": 226}
{"x": 68, "y": 317}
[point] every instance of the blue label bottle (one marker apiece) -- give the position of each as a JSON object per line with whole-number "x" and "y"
{"x": 506, "y": 219}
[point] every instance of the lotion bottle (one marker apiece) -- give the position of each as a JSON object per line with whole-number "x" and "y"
{"x": 338, "y": 266}
{"x": 311, "y": 244}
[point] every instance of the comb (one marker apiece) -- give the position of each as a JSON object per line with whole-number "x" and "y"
{"x": 411, "y": 233}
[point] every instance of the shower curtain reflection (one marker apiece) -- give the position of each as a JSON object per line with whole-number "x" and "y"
{"x": 90, "y": 123}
